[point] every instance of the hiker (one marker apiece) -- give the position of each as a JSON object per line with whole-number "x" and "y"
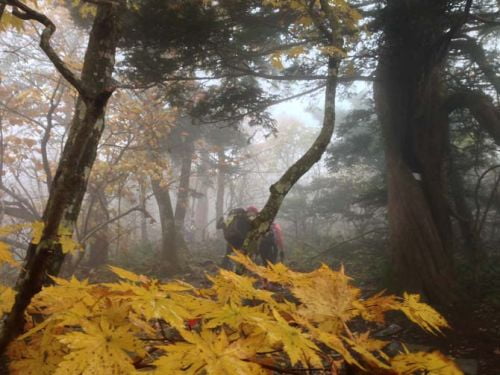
{"x": 236, "y": 227}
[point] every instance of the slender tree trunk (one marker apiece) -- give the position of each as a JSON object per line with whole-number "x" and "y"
{"x": 99, "y": 248}
{"x": 221, "y": 176}
{"x": 144, "y": 224}
{"x": 183, "y": 191}
{"x": 470, "y": 236}
{"x": 201, "y": 211}
{"x": 280, "y": 189}
{"x": 183, "y": 198}
{"x": 70, "y": 180}
{"x": 169, "y": 241}
{"x": 465, "y": 218}
{"x": 415, "y": 124}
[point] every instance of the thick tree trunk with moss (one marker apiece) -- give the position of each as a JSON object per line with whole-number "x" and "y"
{"x": 280, "y": 189}
{"x": 410, "y": 106}
{"x": 70, "y": 180}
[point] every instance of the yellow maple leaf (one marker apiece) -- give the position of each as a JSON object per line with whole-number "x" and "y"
{"x": 7, "y": 296}
{"x": 68, "y": 245}
{"x": 429, "y": 363}
{"x": 152, "y": 302}
{"x": 69, "y": 300}
{"x": 6, "y": 255}
{"x": 422, "y": 314}
{"x": 8, "y": 20}
{"x": 37, "y": 227}
{"x": 334, "y": 342}
{"x": 127, "y": 275}
{"x": 297, "y": 345}
{"x": 9, "y": 229}
{"x": 210, "y": 353}
{"x": 276, "y": 62}
{"x": 233, "y": 315}
{"x": 374, "y": 308}
{"x": 366, "y": 346}
{"x": 277, "y": 273}
{"x": 40, "y": 354}
{"x": 232, "y": 287}
{"x": 101, "y": 349}
{"x": 326, "y": 296}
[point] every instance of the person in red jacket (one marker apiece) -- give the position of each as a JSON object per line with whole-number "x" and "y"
{"x": 278, "y": 238}
{"x": 272, "y": 244}
{"x": 236, "y": 227}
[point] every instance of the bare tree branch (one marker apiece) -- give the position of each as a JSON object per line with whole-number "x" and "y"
{"x": 477, "y": 55}
{"x": 97, "y": 228}
{"x": 24, "y": 12}
{"x": 481, "y": 107}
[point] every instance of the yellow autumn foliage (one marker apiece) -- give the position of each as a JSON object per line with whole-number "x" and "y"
{"x": 140, "y": 325}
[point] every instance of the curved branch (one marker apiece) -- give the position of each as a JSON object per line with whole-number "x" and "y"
{"x": 97, "y": 228}
{"x": 478, "y": 56}
{"x": 280, "y": 189}
{"x": 476, "y": 192}
{"x": 481, "y": 107}
{"x": 22, "y": 11}
{"x": 18, "y": 211}
{"x": 23, "y": 201}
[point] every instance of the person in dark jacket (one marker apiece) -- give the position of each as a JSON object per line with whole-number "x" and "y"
{"x": 235, "y": 229}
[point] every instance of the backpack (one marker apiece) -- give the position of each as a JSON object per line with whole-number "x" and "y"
{"x": 236, "y": 227}
{"x": 268, "y": 249}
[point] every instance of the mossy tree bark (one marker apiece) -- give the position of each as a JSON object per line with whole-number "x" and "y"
{"x": 95, "y": 87}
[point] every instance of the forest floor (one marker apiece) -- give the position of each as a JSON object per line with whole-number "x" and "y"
{"x": 473, "y": 340}
{"x": 474, "y": 337}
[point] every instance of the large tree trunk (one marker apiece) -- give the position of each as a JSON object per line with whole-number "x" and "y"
{"x": 70, "y": 181}
{"x": 415, "y": 125}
